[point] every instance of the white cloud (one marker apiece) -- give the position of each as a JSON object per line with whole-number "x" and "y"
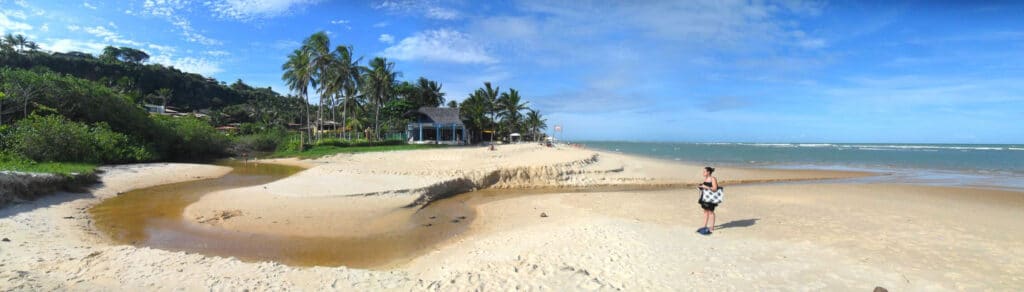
{"x": 190, "y": 34}
{"x": 381, "y": 24}
{"x": 386, "y": 38}
{"x": 87, "y": 5}
{"x": 110, "y": 36}
{"x": 167, "y": 49}
{"x": 441, "y": 45}
{"x": 246, "y": 10}
{"x": 67, "y": 45}
{"x": 15, "y": 14}
{"x": 168, "y": 9}
{"x": 8, "y": 25}
{"x": 189, "y": 64}
{"x": 45, "y": 27}
{"x": 165, "y": 8}
{"x": 112, "y": 24}
{"x": 342, "y": 22}
{"x": 430, "y": 9}
{"x": 442, "y": 13}
{"x": 72, "y": 27}
{"x": 217, "y": 53}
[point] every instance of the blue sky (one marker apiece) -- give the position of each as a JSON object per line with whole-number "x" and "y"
{"x": 704, "y": 70}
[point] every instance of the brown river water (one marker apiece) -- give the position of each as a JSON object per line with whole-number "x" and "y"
{"x": 153, "y": 217}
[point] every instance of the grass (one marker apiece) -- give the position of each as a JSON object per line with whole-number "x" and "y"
{"x": 326, "y": 150}
{"x": 47, "y": 167}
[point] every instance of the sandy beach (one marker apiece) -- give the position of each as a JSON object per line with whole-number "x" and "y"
{"x": 612, "y": 222}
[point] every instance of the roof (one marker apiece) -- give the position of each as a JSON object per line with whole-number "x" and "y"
{"x": 440, "y": 115}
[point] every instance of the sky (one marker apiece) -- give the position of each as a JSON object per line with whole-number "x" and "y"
{"x": 698, "y": 71}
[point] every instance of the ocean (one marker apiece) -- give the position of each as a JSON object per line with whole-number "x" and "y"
{"x": 995, "y": 166}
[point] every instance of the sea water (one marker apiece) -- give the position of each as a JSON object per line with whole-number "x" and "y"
{"x": 996, "y": 166}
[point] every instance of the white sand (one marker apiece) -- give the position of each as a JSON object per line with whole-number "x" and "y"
{"x": 805, "y": 236}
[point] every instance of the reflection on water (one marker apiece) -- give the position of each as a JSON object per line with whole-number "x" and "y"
{"x": 152, "y": 217}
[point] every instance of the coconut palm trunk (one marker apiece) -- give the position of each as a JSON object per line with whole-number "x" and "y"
{"x": 376, "y": 121}
{"x": 309, "y": 129}
{"x": 334, "y": 115}
{"x": 344, "y": 116}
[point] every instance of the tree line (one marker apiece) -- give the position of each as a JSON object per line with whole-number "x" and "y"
{"x": 76, "y": 107}
{"x": 360, "y": 91}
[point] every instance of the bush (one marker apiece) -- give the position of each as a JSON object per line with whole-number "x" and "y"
{"x": 114, "y": 147}
{"x": 291, "y": 145}
{"x": 54, "y": 138}
{"x": 188, "y": 139}
{"x": 264, "y": 142}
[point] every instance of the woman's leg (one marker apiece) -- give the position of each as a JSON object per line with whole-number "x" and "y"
{"x": 706, "y": 218}
{"x": 712, "y": 228}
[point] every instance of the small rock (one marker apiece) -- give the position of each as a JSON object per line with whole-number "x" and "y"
{"x": 5, "y": 240}
{"x": 455, "y": 221}
{"x": 543, "y": 215}
{"x": 880, "y": 289}
{"x": 428, "y": 225}
{"x": 69, "y": 217}
{"x": 461, "y": 217}
{"x": 433, "y": 217}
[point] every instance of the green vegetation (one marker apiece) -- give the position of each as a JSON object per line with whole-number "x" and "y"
{"x": 66, "y": 111}
{"x": 488, "y": 108}
{"x": 54, "y": 138}
{"x": 326, "y": 150}
{"x": 123, "y": 71}
{"x": 10, "y": 162}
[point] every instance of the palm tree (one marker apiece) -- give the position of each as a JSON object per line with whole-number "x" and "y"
{"x": 510, "y": 109}
{"x": 429, "y": 92}
{"x": 491, "y": 98}
{"x": 21, "y": 42}
{"x": 535, "y": 123}
{"x": 9, "y": 40}
{"x": 343, "y": 79}
{"x": 356, "y": 105}
{"x": 318, "y": 46}
{"x": 474, "y": 110}
{"x": 298, "y": 75}
{"x": 379, "y": 84}
{"x": 32, "y": 46}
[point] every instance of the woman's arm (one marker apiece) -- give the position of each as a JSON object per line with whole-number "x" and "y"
{"x": 714, "y": 183}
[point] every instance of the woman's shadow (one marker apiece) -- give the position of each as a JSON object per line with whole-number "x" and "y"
{"x": 738, "y": 223}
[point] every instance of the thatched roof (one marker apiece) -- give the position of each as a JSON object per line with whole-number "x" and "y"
{"x": 440, "y": 115}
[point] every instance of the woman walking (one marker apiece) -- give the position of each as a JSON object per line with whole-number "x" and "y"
{"x": 710, "y": 185}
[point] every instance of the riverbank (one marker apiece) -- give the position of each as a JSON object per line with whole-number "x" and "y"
{"x": 811, "y": 235}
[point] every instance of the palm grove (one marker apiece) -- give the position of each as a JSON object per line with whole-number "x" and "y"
{"x": 76, "y": 107}
{"x": 370, "y": 97}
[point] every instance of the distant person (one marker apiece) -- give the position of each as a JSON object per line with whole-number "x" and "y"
{"x": 707, "y": 200}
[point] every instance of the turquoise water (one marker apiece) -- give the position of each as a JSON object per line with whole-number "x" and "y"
{"x": 948, "y": 164}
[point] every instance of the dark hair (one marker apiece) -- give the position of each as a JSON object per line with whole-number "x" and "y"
{"x": 709, "y": 169}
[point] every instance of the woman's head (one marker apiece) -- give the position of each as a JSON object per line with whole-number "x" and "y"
{"x": 708, "y": 170}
